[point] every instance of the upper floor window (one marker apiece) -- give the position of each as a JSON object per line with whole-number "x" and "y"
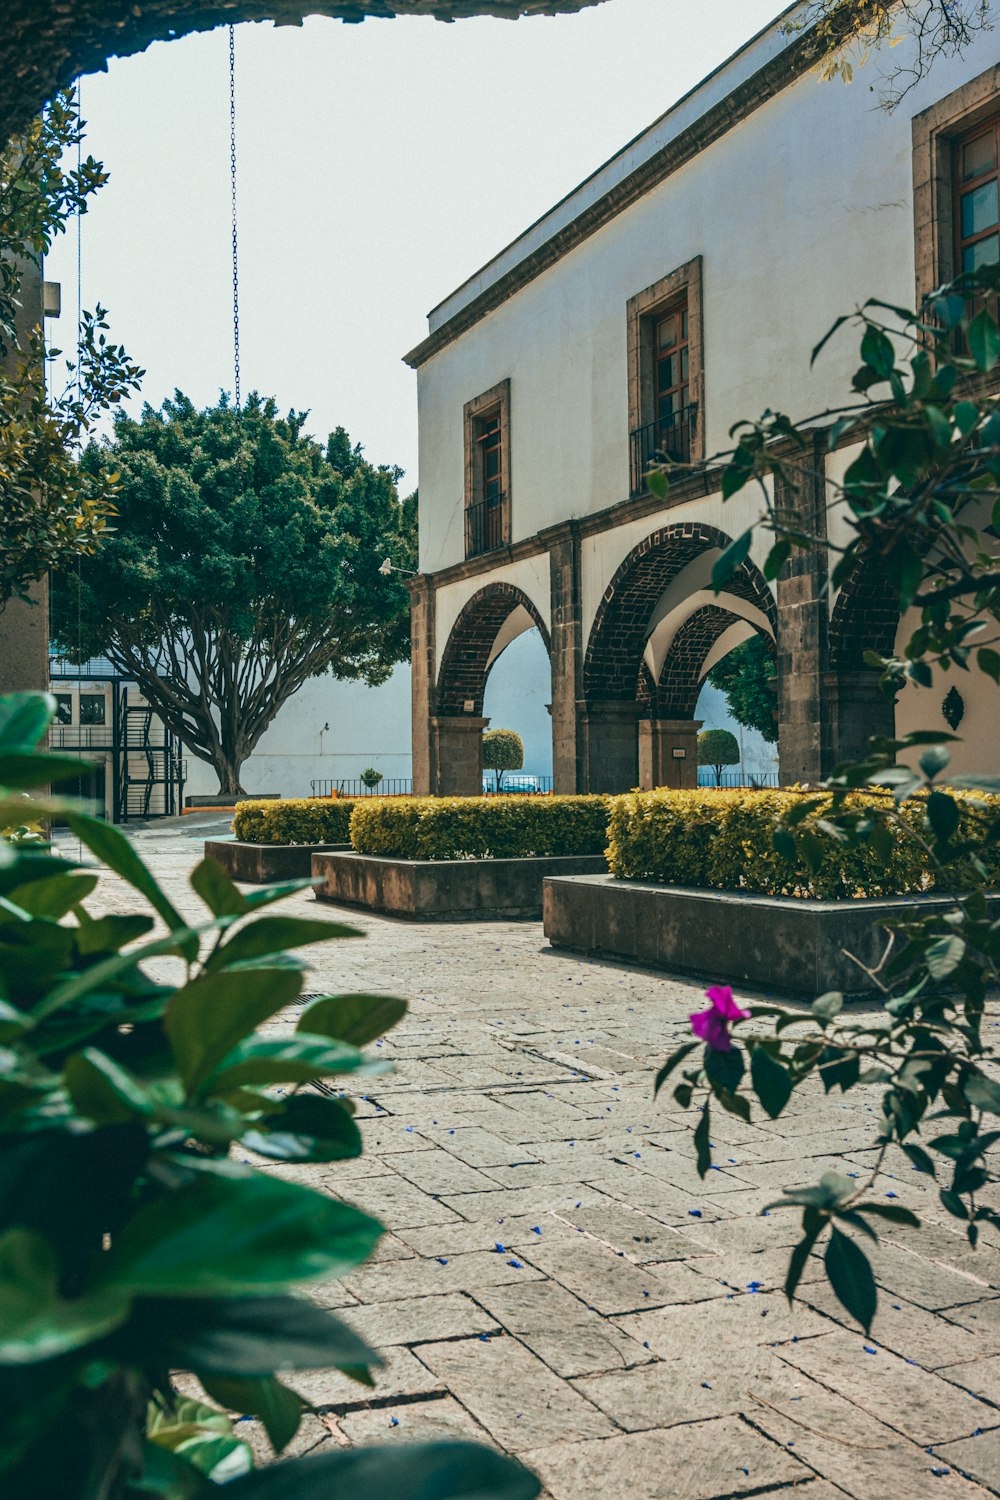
{"x": 977, "y": 189}
{"x": 64, "y": 708}
{"x": 665, "y": 374}
{"x": 487, "y": 471}
{"x": 92, "y": 708}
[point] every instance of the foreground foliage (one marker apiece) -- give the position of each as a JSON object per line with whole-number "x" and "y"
{"x": 132, "y": 1242}
{"x": 921, "y": 501}
{"x": 51, "y": 513}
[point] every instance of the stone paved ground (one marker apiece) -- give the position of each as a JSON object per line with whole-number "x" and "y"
{"x": 557, "y": 1281}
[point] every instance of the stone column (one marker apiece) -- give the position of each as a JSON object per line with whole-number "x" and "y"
{"x": 422, "y": 683}
{"x": 804, "y": 728}
{"x": 458, "y": 755}
{"x": 858, "y": 710}
{"x": 658, "y": 763}
{"x": 24, "y": 628}
{"x": 611, "y": 738}
{"x": 566, "y": 656}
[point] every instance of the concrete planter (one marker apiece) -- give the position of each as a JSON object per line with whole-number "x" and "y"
{"x": 260, "y": 864}
{"x": 447, "y": 889}
{"x": 769, "y": 942}
{"x": 228, "y": 799}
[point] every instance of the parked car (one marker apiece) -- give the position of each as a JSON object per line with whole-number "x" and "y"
{"x": 513, "y": 781}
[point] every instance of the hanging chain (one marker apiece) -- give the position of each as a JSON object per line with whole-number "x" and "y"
{"x": 232, "y": 183}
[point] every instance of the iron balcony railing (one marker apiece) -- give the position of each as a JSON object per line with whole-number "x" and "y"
{"x": 669, "y": 439}
{"x": 389, "y": 786}
{"x": 486, "y": 526}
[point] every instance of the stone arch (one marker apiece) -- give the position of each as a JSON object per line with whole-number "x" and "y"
{"x": 45, "y": 47}
{"x": 683, "y": 672}
{"x": 619, "y": 633}
{"x": 468, "y": 654}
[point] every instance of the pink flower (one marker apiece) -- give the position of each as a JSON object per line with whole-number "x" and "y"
{"x": 712, "y": 1025}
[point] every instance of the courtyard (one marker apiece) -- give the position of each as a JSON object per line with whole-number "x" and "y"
{"x": 557, "y": 1281}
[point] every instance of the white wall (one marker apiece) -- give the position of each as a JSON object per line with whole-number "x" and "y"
{"x": 800, "y": 212}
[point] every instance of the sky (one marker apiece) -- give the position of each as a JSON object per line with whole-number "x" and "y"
{"x": 379, "y": 166}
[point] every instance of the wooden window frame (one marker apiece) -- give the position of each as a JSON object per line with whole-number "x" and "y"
{"x": 937, "y": 133}
{"x": 495, "y": 400}
{"x": 643, "y": 312}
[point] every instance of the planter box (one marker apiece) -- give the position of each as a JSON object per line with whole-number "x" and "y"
{"x": 447, "y": 889}
{"x": 260, "y": 864}
{"x": 769, "y": 942}
{"x": 228, "y": 799}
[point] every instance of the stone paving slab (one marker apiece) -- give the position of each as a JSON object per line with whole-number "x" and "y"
{"x": 521, "y": 1114}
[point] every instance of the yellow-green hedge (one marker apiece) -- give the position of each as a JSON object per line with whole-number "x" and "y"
{"x": 724, "y": 840}
{"x": 479, "y": 827}
{"x": 303, "y": 820}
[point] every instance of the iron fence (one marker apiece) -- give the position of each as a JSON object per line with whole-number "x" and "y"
{"x": 669, "y": 438}
{"x": 486, "y": 526}
{"x": 753, "y": 780}
{"x": 389, "y": 786}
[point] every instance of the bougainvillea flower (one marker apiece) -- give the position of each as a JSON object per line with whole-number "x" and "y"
{"x": 712, "y": 1025}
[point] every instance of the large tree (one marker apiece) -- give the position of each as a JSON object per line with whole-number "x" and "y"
{"x": 245, "y": 559}
{"x": 748, "y": 677}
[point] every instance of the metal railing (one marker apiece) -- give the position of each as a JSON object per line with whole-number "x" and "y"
{"x": 390, "y": 786}
{"x": 734, "y": 779}
{"x": 669, "y": 438}
{"x": 486, "y": 526}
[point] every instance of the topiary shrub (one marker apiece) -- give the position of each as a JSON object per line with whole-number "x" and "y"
{"x": 371, "y": 778}
{"x": 480, "y": 828}
{"x": 718, "y": 748}
{"x": 726, "y": 840}
{"x": 503, "y": 750}
{"x": 303, "y": 820}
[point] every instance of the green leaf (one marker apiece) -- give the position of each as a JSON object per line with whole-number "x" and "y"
{"x": 828, "y": 1006}
{"x": 813, "y": 1224}
{"x": 727, "y": 563}
{"x": 230, "y": 1229}
{"x": 988, "y": 661}
{"x": 944, "y": 956}
{"x": 279, "y": 1409}
{"x": 701, "y": 1143}
{"x": 210, "y": 881}
{"x": 22, "y": 771}
{"x": 943, "y": 815}
{"x": 891, "y": 1211}
{"x": 982, "y": 1092}
{"x": 205, "y": 1020}
{"x": 358, "y": 1019}
{"x": 877, "y": 351}
{"x": 294, "y": 1059}
{"x": 275, "y": 935}
{"x": 851, "y": 1277}
{"x": 248, "y": 1335}
{"x": 102, "y": 1090}
{"x": 984, "y": 341}
{"x": 109, "y": 934}
{"x": 55, "y": 897}
{"x": 35, "y": 1322}
{"x": 113, "y": 849}
{"x": 772, "y": 1083}
{"x": 24, "y": 718}
{"x": 673, "y": 1061}
{"x": 419, "y": 1471}
{"x": 934, "y": 760}
{"x": 724, "y": 1069}
{"x": 307, "y": 1128}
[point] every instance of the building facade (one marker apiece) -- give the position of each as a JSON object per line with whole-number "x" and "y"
{"x": 677, "y": 291}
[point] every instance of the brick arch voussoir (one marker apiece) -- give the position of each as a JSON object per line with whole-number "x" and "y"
{"x": 463, "y": 671}
{"x": 865, "y": 617}
{"x": 683, "y": 670}
{"x": 618, "y": 636}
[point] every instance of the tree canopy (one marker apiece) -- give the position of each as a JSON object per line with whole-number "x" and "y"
{"x": 748, "y": 677}
{"x": 503, "y": 750}
{"x": 718, "y": 748}
{"x": 245, "y": 559}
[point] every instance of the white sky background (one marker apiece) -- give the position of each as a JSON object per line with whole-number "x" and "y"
{"x": 379, "y": 166}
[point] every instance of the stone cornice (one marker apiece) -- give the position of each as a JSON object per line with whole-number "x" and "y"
{"x": 46, "y": 44}
{"x": 776, "y": 74}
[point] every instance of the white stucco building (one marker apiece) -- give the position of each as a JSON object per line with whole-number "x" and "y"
{"x": 677, "y": 290}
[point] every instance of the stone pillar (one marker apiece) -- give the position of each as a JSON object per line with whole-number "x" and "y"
{"x": 659, "y": 765}
{"x": 611, "y": 736}
{"x": 458, "y": 755}
{"x": 858, "y": 710}
{"x": 804, "y": 728}
{"x": 422, "y": 683}
{"x": 24, "y": 643}
{"x": 24, "y": 628}
{"x": 566, "y": 656}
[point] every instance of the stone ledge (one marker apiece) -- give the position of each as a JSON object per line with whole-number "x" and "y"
{"x": 259, "y": 864}
{"x": 769, "y": 942}
{"x": 448, "y": 889}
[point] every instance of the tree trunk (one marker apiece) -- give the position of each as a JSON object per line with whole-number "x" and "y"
{"x": 228, "y": 768}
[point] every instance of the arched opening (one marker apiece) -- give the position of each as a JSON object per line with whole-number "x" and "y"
{"x": 658, "y": 631}
{"x": 865, "y": 617}
{"x": 500, "y": 620}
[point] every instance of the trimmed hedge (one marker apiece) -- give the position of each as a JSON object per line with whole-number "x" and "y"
{"x": 303, "y": 820}
{"x": 724, "y": 840}
{"x": 480, "y": 827}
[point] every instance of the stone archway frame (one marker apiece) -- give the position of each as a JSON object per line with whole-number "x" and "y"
{"x": 685, "y": 665}
{"x": 620, "y": 629}
{"x": 45, "y": 45}
{"x": 469, "y": 651}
